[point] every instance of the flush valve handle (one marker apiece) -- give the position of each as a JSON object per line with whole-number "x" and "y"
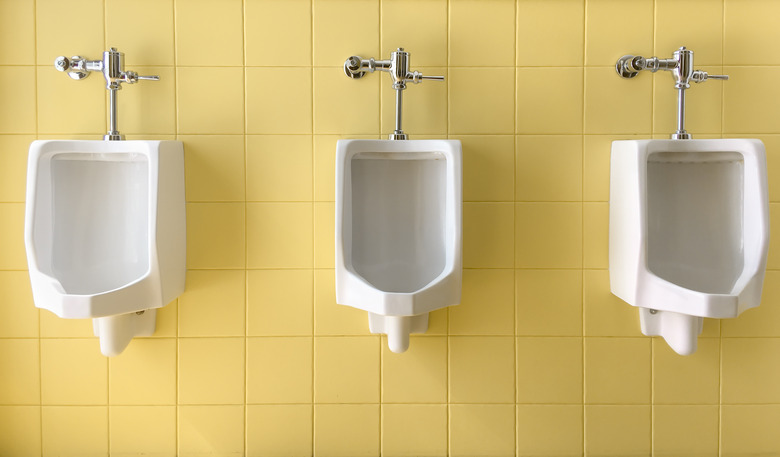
{"x": 132, "y": 77}
{"x": 700, "y": 76}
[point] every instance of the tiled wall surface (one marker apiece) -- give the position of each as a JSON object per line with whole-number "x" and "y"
{"x": 257, "y": 359}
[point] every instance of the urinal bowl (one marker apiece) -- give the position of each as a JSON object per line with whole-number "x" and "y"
{"x": 398, "y": 231}
{"x": 105, "y": 232}
{"x": 688, "y": 232}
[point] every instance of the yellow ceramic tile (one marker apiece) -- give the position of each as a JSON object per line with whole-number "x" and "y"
{"x": 617, "y": 430}
{"x": 346, "y": 369}
{"x": 606, "y": 314}
{"x": 549, "y": 100}
{"x": 149, "y": 107}
{"x": 685, "y": 430}
{"x": 279, "y": 167}
{"x": 549, "y": 430}
{"x": 279, "y": 302}
{"x": 213, "y": 304}
{"x": 702, "y": 103}
{"x": 487, "y": 235}
{"x": 744, "y": 100}
{"x": 617, "y": 371}
{"x": 596, "y": 156}
{"x": 605, "y": 42}
{"x": 487, "y": 304}
{"x": 564, "y": 47}
{"x": 482, "y": 33}
{"x": 211, "y": 371}
{"x": 279, "y": 235}
{"x": 773, "y": 259}
{"x": 215, "y": 235}
{"x": 279, "y": 370}
{"x": 488, "y": 161}
{"x": 220, "y": 43}
{"x": 703, "y": 34}
{"x": 482, "y": 100}
{"x": 607, "y": 95}
{"x": 167, "y": 320}
{"x": 548, "y": 302}
{"x": 348, "y": 430}
{"x": 145, "y": 374}
{"x": 486, "y": 430}
{"x": 73, "y": 372}
{"x": 334, "y": 25}
{"x": 21, "y": 316}
{"x": 750, "y": 372}
{"x": 424, "y": 105}
{"x": 13, "y": 166}
{"x": 278, "y": 100}
{"x": 20, "y": 384}
{"x": 212, "y": 430}
{"x": 686, "y": 380}
{"x": 343, "y": 105}
{"x": 134, "y": 430}
{"x": 549, "y": 370}
{"x": 83, "y": 41}
{"x": 213, "y": 167}
{"x": 20, "y": 430}
{"x": 414, "y": 430}
{"x": 277, "y": 32}
{"x": 56, "y": 91}
{"x": 17, "y": 33}
{"x": 420, "y": 27}
{"x": 750, "y": 36}
{"x": 482, "y": 369}
{"x": 74, "y": 431}
{"x": 419, "y": 375}
{"x": 548, "y": 168}
{"x": 548, "y": 235}
{"x": 53, "y": 326}
{"x": 324, "y": 234}
{"x": 760, "y": 321}
{"x": 210, "y": 100}
{"x": 151, "y": 46}
{"x": 330, "y": 318}
{"x": 749, "y": 430}
{"x": 17, "y": 90}
{"x": 283, "y": 430}
{"x": 595, "y": 234}
{"x": 11, "y": 236}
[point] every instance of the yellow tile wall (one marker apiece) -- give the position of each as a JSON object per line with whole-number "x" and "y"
{"x": 255, "y": 358}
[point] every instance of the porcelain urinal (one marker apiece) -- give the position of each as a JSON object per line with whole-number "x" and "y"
{"x": 398, "y": 231}
{"x": 688, "y": 232}
{"x": 105, "y": 232}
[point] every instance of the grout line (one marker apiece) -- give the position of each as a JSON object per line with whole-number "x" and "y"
{"x": 313, "y": 190}
{"x": 582, "y": 189}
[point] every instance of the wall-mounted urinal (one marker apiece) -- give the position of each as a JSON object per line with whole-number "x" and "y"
{"x": 688, "y": 221}
{"x": 105, "y": 224}
{"x": 398, "y": 221}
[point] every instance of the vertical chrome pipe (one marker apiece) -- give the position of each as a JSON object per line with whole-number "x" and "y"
{"x": 113, "y": 132}
{"x": 398, "y": 109}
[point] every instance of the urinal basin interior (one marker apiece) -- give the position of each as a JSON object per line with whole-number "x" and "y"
{"x": 398, "y": 218}
{"x": 695, "y": 206}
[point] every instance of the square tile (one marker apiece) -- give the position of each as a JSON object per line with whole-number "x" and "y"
{"x": 324, "y": 234}
{"x": 73, "y": 372}
{"x": 211, "y": 371}
{"x": 414, "y": 430}
{"x": 595, "y": 235}
{"x": 21, "y": 315}
{"x": 18, "y": 91}
{"x": 280, "y": 302}
{"x": 704, "y": 34}
{"x": 152, "y": 47}
{"x": 617, "y": 371}
{"x": 342, "y": 105}
{"x": 20, "y": 381}
{"x": 20, "y": 430}
{"x": 279, "y": 235}
{"x": 548, "y": 302}
{"x": 763, "y": 321}
{"x": 283, "y": 430}
{"x": 351, "y": 430}
{"x": 17, "y": 33}
{"x": 216, "y": 235}
{"x": 482, "y": 369}
{"x": 279, "y": 370}
{"x": 332, "y": 18}
{"x": 548, "y": 168}
{"x": 74, "y": 431}
{"x": 746, "y": 23}
{"x": 419, "y": 26}
{"x": 51, "y": 42}
{"x": 549, "y": 430}
{"x": 167, "y": 320}
{"x": 487, "y": 235}
{"x": 744, "y": 107}
{"x": 484, "y": 108}
{"x": 156, "y": 424}
{"x": 332, "y": 319}
{"x": 562, "y": 48}
{"x": 210, "y": 99}
{"x": 286, "y": 24}
{"x": 549, "y": 370}
{"x": 548, "y": 235}
{"x": 549, "y": 101}
{"x": 419, "y": 375}
{"x": 605, "y": 43}
{"x": 703, "y": 105}
{"x": 605, "y": 314}
{"x": 482, "y": 33}
{"x": 279, "y": 100}
{"x": 55, "y": 90}
{"x": 145, "y": 374}
{"x": 749, "y": 430}
{"x": 486, "y": 430}
{"x": 750, "y": 371}
{"x": 617, "y": 430}
{"x": 488, "y": 161}
{"x": 694, "y": 379}
{"x": 213, "y": 304}
{"x": 685, "y": 430}
{"x": 346, "y": 369}
{"x": 487, "y": 304}
{"x": 151, "y": 109}
{"x": 212, "y": 430}
{"x": 218, "y": 44}
{"x": 214, "y": 167}
{"x": 279, "y": 167}
{"x": 606, "y": 94}
{"x": 13, "y": 166}
{"x": 425, "y": 105}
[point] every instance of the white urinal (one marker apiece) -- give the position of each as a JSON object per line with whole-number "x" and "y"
{"x": 105, "y": 232}
{"x": 688, "y": 232}
{"x": 398, "y": 231}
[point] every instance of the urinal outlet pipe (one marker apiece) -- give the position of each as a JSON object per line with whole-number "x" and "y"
{"x": 398, "y": 329}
